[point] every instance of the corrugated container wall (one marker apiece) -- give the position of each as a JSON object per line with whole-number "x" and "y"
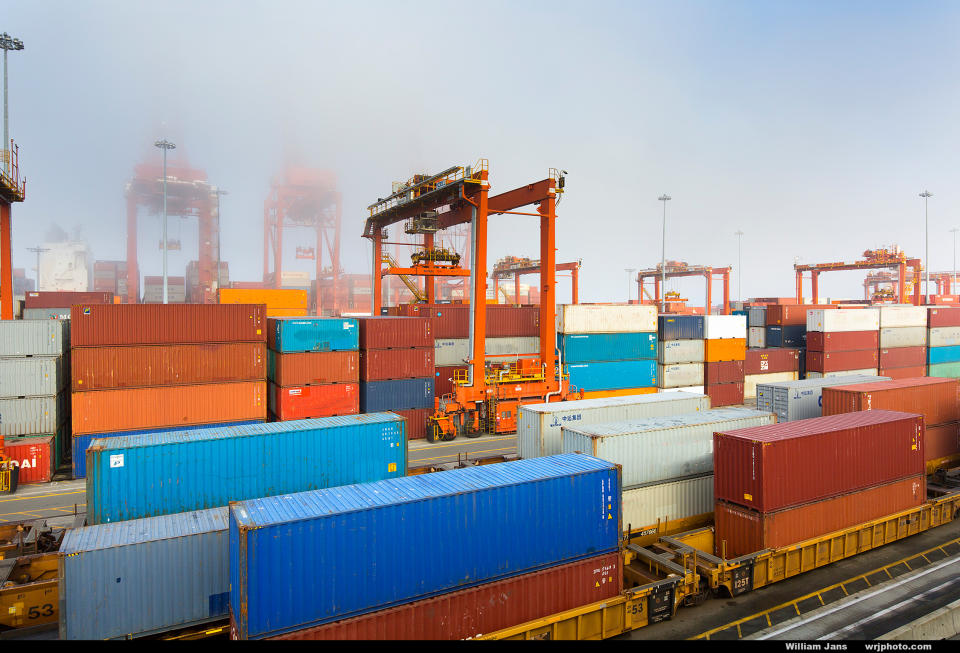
{"x": 716, "y": 327}
{"x": 270, "y": 297}
{"x": 680, "y": 351}
{"x": 939, "y": 355}
{"x": 607, "y": 347}
{"x": 943, "y": 317}
{"x": 34, "y": 337}
{"x": 416, "y": 421}
{"x": 943, "y": 337}
{"x": 313, "y": 367}
{"x": 680, "y": 375}
{"x": 54, "y": 299}
{"x": 613, "y": 375}
{"x": 795, "y": 314}
{"x": 730, "y": 371}
{"x": 35, "y": 457}
{"x": 300, "y": 334}
{"x": 449, "y": 352}
{"x": 767, "y": 361}
{"x": 870, "y": 371}
{"x": 833, "y": 320}
{"x": 903, "y": 316}
{"x": 757, "y": 316}
{"x": 934, "y": 398}
{"x": 308, "y": 401}
{"x": 395, "y": 332}
{"x": 843, "y": 340}
{"x": 606, "y": 318}
{"x": 791, "y": 335}
{"x": 725, "y": 394}
{"x": 33, "y": 415}
{"x": 160, "y": 324}
{"x": 26, "y": 377}
{"x": 404, "y": 394}
{"x": 750, "y": 381}
{"x": 680, "y": 327}
{"x": 903, "y": 337}
{"x": 645, "y": 507}
{"x": 794, "y": 400}
{"x": 387, "y": 364}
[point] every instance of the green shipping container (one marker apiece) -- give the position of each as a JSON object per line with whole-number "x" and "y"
{"x": 945, "y": 370}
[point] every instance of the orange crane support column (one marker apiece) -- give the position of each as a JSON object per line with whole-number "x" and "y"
{"x": 799, "y": 286}
{"x": 376, "y": 296}
{"x": 726, "y": 293}
{"x": 479, "y": 299}
{"x": 815, "y": 286}
{"x": 902, "y": 283}
{"x": 133, "y": 271}
{"x": 266, "y": 240}
{"x": 575, "y": 273}
{"x": 707, "y": 310}
{"x": 429, "y": 281}
{"x": 6, "y": 261}
{"x": 548, "y": 281}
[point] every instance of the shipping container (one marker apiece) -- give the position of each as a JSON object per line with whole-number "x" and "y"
{"x": 403, "y": 394}
{"x": 943, "y": 337}
{"x": 453, "y": 320}
{"x": 680, "y": 375}
{"x": 935, "y": 399}
{"x": 903, "y": 357}
{"x": 787, "y": 336}
{"x": 57, "y": 299}
{"x": 36, "y": 458}
{"x": 442, "y": 538}
{"x": 269, "y": 297}
{"x": 693, "y": 389}
{"x": 903, "y": 316}
{"x": 725, "y": 372}
{"x": 750, "y": 381}
{"x": 606, "y": 318}
{"x": 716, "y": 327}
{"x": 312, "y": 334}
{"x": 395, "y": 332}
{"x": 756, "y": 337}
{"x": 903, "y": 372}
{"x": 62, "y": 313}
{"x": 801, "y": 399}
{"x": 606, "y": 347}
{"x": 612, "y": 375}
{"x": 165, "y": 324}
{"x": 945, "y": 370}
{"x": 903, "y": 337}
{"x": 843, "y": 340}
{"x": 659, "y": 449}
{"x": 144, "y": 576}
{"x": 680, "y": 351}
{"x": 313, "y": 367}
{"x": 644, "y": 508}
{"x": 818, "y": 361}
{"x": 388, "y": 364}
{"x": 725, "y": 394}
{"x": 757, "y": 316}
{"x": 34, "y": 337}
{"x": 308, "y": 401}
{"x": 505, "y": 321}
{"x": 938, "y": 355}
{"x": 34, "y": 415}
{"x": 452, "y": 352}
{"x": 680, "y": 327}
{"x": 287, "y": 312}
{"x": 773, "y": 467}
{"x": 791, "y": 315}
{"x": 767, "y": 361}
{"x": 943, "y": 317}
{"x": 443, "y": 379}
{"x": 941, "y": 442}
{"x": 485, "y": 608}
{"x": 37, "y": 376}
{"x": 619, "y": 392}
{"x": 539, "y": 425}
{"x": 835, "y": 321}
{"x": 162, "y": 473}
{"x": 727, "y": 349}
{"x": 869, "y": 371}
{"x": 416, "y": 422}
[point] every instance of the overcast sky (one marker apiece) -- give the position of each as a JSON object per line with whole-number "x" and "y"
{"x": 811, "y": 126}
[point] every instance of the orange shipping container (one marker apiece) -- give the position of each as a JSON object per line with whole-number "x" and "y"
{"x": 132, "y": 409}
{"x": 941, "y": 445}
{"x": 313, "y": 367}
{"x": 272, "y": 297}
{"x": 725, "y": 349}
{"x": 287, "y": 312}
{"x": 625, "y": 392}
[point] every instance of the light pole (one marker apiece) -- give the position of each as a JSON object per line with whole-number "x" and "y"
{"x": 7, "y": 42}
{"x": 629, "y": 272}
{"x": 165, "y": 145}
{"x": 38, "y": 250}
{"x": 219, "y": 232}
{"x": 926, "y": 195}
{"x": 663, "y": 255}
{"x": 739, "y": 235}
{"x": 953, "y": 286}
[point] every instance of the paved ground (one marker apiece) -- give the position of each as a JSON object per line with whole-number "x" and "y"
{"x": 421, "y": 453}
{"x": 56, "y": 501}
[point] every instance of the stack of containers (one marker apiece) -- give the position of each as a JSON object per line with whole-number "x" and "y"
{"x": 943, "y": 341}
{"x": 397, "y": 369}
{"x": 450, "y": 355}
{"x": 769, "y": 365}
{"x": 34, "y": 399}
{"x": 609, "y": 348}
{"x": 724, "y": 352}
{"x": 312, "y": 367}
{"x": 44, "y": 305}
{"x": 787, "y": 324}
{"x": 152, "y": 367}
{"x": 680, "y": 356}
{"x": 757, "y": 327}
{"x": 843, "y": 343}
{"x": 779, "y": 485}
{"x": 280, "y": 302}
{"x": 903, "y": 341}
{"x": 796, "y": 400}
{"x": 153, "y": 290}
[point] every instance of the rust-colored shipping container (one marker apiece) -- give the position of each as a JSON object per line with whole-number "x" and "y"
{"x": 783, "y": 315}
{"x": 766, "y": 301}
{"x": 453, "y": 320}
{"x": 302, "y": 402}
{"x": 724, "y": 349}
{"x": 723, "y": 372}
{"x": 385, "y": 332}
{"x": 837, "y": 361}
{"x": 746, "y": 531}
{"x": 386, "y": 364}
{"x": 724, "y": 394}
{"x": 903, "y": 357}
{"x": 272, "y": 298}
{"x": 133, "y": 409}
{"x": 416, "y": 422}
{"x": 314, "y": 367}
{"x": 781, "y": 465}
{"x": 943, "y": 317}
{"x": 485, "y": 608}
{"x": 771, "y": 360}
{"x": 842, "y": 341}
{"x": 35, "y": 457}
{"x": 447, "y": 320}
{"x": 62, "y": 299}
{"x": 134, "y": 366}
{"x": 934, "y": 398}
{"x": 443, "y": 379}
{"x": 903, "y": 372}
{"x": 97, "y": 325}
{"x": 941, "y": 443}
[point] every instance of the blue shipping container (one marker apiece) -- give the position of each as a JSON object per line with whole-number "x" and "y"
{"x": 599, "y": 347}
{"x": 305, "y": 559}
{"x": 950, "y": 354}
{"x": 680, "y": 327}
{"x": 792, "y": 335}
{"x": 146, "y": 475}
{"x": 144, "y": 576}
{"x": 399, "y": 394}
{"x": 612, "y": 375}
{"x": 80, "y": 443}
{"x": 315, "y": 334}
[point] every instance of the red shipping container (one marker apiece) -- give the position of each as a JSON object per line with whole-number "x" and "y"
{"x": 34, "y": 456}
{"x": 748, "y": 531}
{"x": 302, "y": 402}
{"x": 385, "y": 332}
{"x": 723, "y": 372}
{"x": 781, "y": 465}
{"x": 63, "y": 299}
{"x": 903, "y": 372}
{"x": 314, "y": 367}
{"x": 98, "y": 368}
{"x": 943, "y": 317}
{"x": 386, "y": 364}
{"x": 787, "y": 301}
{"x": 448, "y": 320}
{"x": 485, "y": 608}
{"x": 724, "y": 394}
{"x": 453, "y": 320}
{"x": 934, "y": 398}
{"x": 842, "y": 341}
{"x": 903, "y": 357}
{"x": 93, "y": 325}
{"x": 134, "y": 409}
{"x": 416, "y": 421}
{"x": 838, "y": 361}
{"x": 443, "y": 379}
{"x": 772, "y": 360}
{"x": 783, "y": 315}
{"x": 941, "y": 441}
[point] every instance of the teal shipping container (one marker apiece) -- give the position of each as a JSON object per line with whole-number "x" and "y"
{"x": 937, "y": 355}
{"x": 606, "y": 347}
{"x": 293, "y": 334}
{"x": 612, "y": 375}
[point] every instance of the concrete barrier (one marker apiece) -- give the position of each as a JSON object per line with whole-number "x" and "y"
{"x": 940, "y": 624}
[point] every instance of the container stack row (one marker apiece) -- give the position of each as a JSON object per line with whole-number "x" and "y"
{"x": 903, "y": 341}
{"x": 313, "y": 367}
{"x": 797, "y": 400}
{"x": 943, "y": 341}
{"x": 609, "y": 349}
{"x": 35, "y": 395}
{"x": 724, "y": 353}
{"x": 153, "y": 290}
{"x": 139, "y": 368}
{"x": 681, "y": 352}
{"x": 843, "y": 342}
{"x": 769, "y": 365}
{"x": 49, "y": 305}
{"x": 280, "y": 302}
{"x": 756, "y": 327}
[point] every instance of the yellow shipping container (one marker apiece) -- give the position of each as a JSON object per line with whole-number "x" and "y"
{"x": 724, "y": 349}
{"x": 272, "y": 297}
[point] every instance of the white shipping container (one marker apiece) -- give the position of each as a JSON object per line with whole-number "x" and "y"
{"x": 836, "y": 321}
{"x": 453, "y": 351}
{"x": 681, "y": 374}
{"x": 36, "y": 376}
{"x": 644, "y": 507}
{"x": 606, "y": 318}
{"x": 870, "y": 371}
{"x": 903, "y": 316}
{"x": 750, "y": 381}
{"x": 34, "y": 337}
{"x": 538, "y": 428}
{"x": 903, "y": 337}
{"x": 659, "y": 449}
{"x": 680, "y": 351}
{"x": 943, "y": 337}
{"x": 757, "y": 337}
{"x": 724, "y": 326}
{"x": 695, "y": 389}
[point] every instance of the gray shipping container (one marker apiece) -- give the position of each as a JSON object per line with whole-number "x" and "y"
{"x": 659, "y": 449}
{"x": 539, "y": 426}
{"x": 46, "y": 313}
{"x": 673, "y": 352}
{"x": 37, "y": 376}
{"x": 33, "y": 415}
{"x": 757, "y": 316}
{"x": 453, "y": 351}
{"x": 644, "y": 506}
{"x": 793, "y": 400}
{"x": 144, "y": 576}
{"x": 34, "y": 337}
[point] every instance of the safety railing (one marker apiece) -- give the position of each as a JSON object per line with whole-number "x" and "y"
{"x": 13, "y": 188}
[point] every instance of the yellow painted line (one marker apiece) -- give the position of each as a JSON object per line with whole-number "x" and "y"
{"x": 42, "y": 496}
{"x": 433, "y": 447}
{"x": 31, "y": 515}
{"x": 466, "y": 453}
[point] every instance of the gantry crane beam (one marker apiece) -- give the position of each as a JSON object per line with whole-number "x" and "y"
{"x": 710, "y": 274}
{"x": 901, "y": 263}
{"x": 534, "y": 268}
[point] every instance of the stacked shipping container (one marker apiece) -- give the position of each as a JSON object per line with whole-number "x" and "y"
{"x": 44, "y": 305}
{"x": 724, "y": 352}
{"x": 681, "y": 351}
{"x": 943, "y": 341}
{"x": 903, "y": 341}
{"x": 280, "y": 302}
{"x": 756, "y": 327}
{"x": 796, "y": 400}
{"x": 842, "y": 343}
{"x": 769, "y": 365}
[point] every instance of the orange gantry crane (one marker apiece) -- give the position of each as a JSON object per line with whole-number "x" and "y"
{"x": 12, "y": 189}
{"x": 515, "y": 266}
{"x": 882, "y": 258}
{"x": 486, "y": 396}
{"x": 874, "y": 282}
{"x": 681, "y": 269}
